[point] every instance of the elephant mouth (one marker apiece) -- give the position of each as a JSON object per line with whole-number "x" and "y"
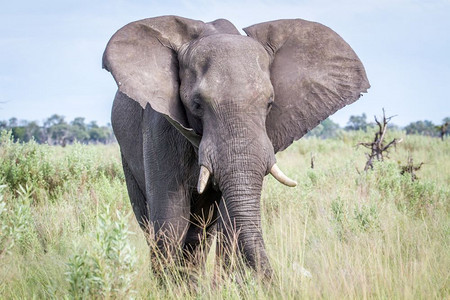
{"x": 275, "y": 171}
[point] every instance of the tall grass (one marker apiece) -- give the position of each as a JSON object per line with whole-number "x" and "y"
{"x": 67, "y": 230}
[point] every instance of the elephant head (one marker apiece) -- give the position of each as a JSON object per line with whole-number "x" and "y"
{"x": 238, "y": 99}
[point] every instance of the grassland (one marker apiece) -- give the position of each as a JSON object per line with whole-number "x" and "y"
{"x": 67, "y": 230}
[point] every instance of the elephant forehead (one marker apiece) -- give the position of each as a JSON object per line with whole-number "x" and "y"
{"x": 223, "y": 67}
{"x": 227, "y": 51}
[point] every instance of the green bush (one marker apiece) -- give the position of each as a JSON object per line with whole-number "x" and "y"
{"x": 414, "y": 197}
{"x": 108, "y": 269}
{"x": 52, "y": 170}
{"x": 17, "y": 224}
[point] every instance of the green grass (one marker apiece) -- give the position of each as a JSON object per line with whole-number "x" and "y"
{"x": 67, "y": 230}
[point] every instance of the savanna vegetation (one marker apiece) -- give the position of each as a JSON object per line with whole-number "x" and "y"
{"x": 67, "y": 229}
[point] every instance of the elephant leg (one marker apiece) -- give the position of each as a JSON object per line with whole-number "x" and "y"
{"x": 169, "y": 215}
{"x": 202, "y": 227}
{"x": 126, "y": 118}
{"x": 137, "y": 198}
{"x": 168, "y": 158}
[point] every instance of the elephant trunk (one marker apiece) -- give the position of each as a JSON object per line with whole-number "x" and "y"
{"x": 239, "y": 174}
{"x": 237, "y": 154}
{"x": 240, "y": 221}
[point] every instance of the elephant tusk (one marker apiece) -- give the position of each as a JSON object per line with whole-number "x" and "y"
{"x": 279, "y": 175}
{"x": 202, "y": 179}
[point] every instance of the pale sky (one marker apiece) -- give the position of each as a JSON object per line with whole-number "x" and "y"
{"x": 51, "y": 51}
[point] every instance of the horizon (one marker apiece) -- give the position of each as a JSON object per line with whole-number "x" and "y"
{"x": 52, "y": 52}
{"x": 341, "y": 126}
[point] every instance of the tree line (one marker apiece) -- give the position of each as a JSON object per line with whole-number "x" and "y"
{"x": 328, "y": 128}
{"x": 56, "y": 131}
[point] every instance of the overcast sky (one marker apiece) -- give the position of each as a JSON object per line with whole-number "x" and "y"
{"x": 51, "y": 51}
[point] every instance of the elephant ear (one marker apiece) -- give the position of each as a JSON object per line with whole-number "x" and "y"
{"x": 142, "y": 57}
{"x": 314, "y": 73}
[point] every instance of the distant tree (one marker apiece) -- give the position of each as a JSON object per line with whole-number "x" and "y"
{"x": 60, "y": 134}
{"x": 357, "y": 123}
{"x": 34, "y": 131}
{"x": 96, "y": 134}
{"x": 326, "y": 129}
{"x": 110, "y": 134}
{"x": 19, "y": 133}
{"x": 92, "y": 124}
{"x": 23, "y": 123}
{"x": 56, "y": 129}
{"x": 79, "y": 122}
{"x": 3, "y": 125}
{"x": 422, "y": 127}
{"x": 78, "y": 130}
{"x": 54, "y": 120}
{"x": 13, "y": 122}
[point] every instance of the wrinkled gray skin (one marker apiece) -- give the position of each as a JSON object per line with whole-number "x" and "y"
{"x": 197, "y": 94}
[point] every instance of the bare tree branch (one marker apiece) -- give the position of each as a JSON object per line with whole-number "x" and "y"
{"x": 377, "y": 147}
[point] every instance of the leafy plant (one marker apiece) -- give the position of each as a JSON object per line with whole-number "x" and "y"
{"x": 109, "y": 268}
{"x": 17, "y": 224}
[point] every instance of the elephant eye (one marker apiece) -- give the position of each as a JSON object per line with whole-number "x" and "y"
{"x": 196, "y": 107}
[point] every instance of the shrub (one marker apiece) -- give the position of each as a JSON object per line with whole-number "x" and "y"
{"x": 53, "y": 170}
{"x": 16, "y": 223}
{"x": 109, "y": 268}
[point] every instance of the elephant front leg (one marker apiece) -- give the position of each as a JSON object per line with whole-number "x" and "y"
{"x": 202, "y": 228}
{"x": 169, "y": 216}
{"x": 168, "y": 160}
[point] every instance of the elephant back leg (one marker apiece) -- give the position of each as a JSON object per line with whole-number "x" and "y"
{"x": 137, "y": 198}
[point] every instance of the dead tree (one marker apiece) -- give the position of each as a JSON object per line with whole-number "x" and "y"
{"x": 410, "y": 168}
{"x": 379, "y": 150}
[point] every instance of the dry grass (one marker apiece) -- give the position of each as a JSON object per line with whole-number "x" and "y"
{"x": 339, "y": 234}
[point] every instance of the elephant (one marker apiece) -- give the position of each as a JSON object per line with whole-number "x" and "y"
{"x": 200, "y": 112}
